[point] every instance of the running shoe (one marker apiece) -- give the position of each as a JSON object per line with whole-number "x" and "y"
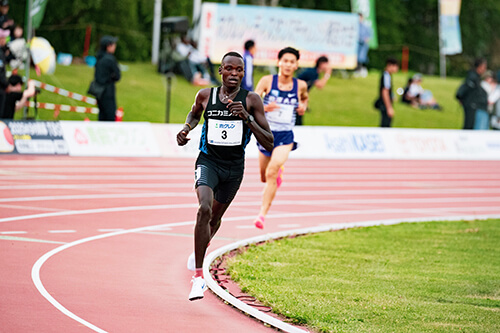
{"x": 198, "y": 288}
{"x": 191, "y": 263}
{"x": 279, "y": 180}
{"x": 259, "y": 222}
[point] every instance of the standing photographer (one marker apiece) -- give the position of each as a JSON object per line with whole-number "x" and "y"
{"x": 106, "y": 74}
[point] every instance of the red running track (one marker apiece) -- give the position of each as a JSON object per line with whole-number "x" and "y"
{"x": 106, "y": 239}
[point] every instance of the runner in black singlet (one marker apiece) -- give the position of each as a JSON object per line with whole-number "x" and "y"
{"x": 231, "y": 116}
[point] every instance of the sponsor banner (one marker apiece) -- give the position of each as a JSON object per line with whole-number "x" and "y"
{"x": 32, "y": 137}
{"x": 449, "y": 26}
{"x": 110, "y": 139}
{"x": 316, "y": 142}
{"x": 225, "y": 28}
{"x": 367, "y": 8}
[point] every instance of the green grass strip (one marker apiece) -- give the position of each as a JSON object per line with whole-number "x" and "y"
{"x": 412, "y": 277}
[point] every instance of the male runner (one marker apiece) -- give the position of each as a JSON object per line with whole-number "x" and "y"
{"x": 285, "y": 97}
{"x": 231, "y": 116}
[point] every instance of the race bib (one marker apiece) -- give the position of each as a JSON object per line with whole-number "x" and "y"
{"x": 283, "y": 116}
{"x": 225, "y": 132}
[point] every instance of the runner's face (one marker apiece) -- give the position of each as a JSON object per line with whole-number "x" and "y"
{"x": 288, "y": 64}
{"x": 232, "y": 71}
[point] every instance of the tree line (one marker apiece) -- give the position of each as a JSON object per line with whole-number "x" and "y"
{"x": 399, "y": 23}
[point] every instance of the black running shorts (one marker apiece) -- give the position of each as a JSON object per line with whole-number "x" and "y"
{"x": 223, "y": 177}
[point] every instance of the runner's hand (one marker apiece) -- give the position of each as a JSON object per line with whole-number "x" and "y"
{"x": 273, "y": 106}
{"x": 237, "y": 109}
{"x": 301, "y": 109}
{"x": 182, "y": 138}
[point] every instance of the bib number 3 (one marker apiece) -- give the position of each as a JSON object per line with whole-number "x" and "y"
{"x": 225, "y": 132}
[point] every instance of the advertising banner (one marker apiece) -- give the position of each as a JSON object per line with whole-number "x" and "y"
{"x": 110, "y": 139}
{"x": 367, "y": 8}
{"x": 449, "y": 25}
{"x": 32, "y": 137}
{"x": 225, "y": 28}
{"x": 37, "y": 12}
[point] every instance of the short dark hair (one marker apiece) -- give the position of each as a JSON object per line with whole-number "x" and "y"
{"x": 249, "y": 44}
{"x": 231, "y": 54}
{"x": 392, "y": 61}
{"x": 321, "y": 60}
{"x": 291, "y": 50}
{"x": 14, "y": 80}
{"x": 479, "y": 61}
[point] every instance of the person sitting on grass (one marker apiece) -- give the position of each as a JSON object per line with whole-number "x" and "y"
{"x": 419, "y": 97}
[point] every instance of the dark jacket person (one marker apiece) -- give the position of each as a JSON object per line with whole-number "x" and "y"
{"x": 471, "y": 94}
{"x": 106, "y": 74}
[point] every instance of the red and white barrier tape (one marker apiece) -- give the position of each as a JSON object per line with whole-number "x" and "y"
{"x": 80, "y": 109}
{"x": 65, "y": 93}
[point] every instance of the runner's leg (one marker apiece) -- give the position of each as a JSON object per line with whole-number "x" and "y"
{"x": 263, "y": 162}
{"x": 202, "y": 228}
{"x": 278, "y": 159}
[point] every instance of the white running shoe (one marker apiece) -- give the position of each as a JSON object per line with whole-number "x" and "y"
{"x": 198, "y": 288}
{"x": 191, "y": 263}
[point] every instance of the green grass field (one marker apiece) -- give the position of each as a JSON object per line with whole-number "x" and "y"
{"x": 343, "y": 102}
{"x": 418, "y": 277}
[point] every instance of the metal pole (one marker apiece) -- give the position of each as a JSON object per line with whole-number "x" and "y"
{"x": 169, "y": 89}
{"x": 155, "y": 50}
{"x": 29, "y": 35}
{"x": 442, "y": 56}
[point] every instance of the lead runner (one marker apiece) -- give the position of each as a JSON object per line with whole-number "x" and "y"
{"x": 231, "y": 116}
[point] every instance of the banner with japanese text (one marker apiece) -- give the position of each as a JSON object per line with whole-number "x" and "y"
{"x": 314, "y": 33}
{"x": 449, "y": 24}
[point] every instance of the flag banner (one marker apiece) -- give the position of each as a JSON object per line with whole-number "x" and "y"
{"x": 37, "y": 12}
{"x": 367, "y": 8}
{"x": 449, "y": 25}
{"x": 314, "y": 33}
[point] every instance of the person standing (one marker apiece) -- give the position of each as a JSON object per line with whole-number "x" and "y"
{"x": 285, "y": 97}
{"x": 365, "y": 34}
{"x": 231, "y": 115}
{"x": 3, "y": 65}
{"x": 248, "y": 55}
{"x": 311, "y": 76}
{"x": 107, "y": 73}
{"x": 386, "y": 97}
{"x": 473, "y": 97}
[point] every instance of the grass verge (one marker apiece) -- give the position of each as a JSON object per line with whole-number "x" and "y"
{"x": 415, "y": 277}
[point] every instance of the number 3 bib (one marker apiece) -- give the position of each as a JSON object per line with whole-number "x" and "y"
{"x": 225, "y": 132}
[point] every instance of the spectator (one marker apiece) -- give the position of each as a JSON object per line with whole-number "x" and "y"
{"x": 365, "y": 34}
{"x": 248, "y": 55}
{"x": 18, "y": 51}
{"x": 3, "y": 63}
{"x": 107, "y": 73}
{"x": 385, "y": 101}
{"x": 192, "y": 65}
{"x": 417, "y": 96}
{"x": 5, "y": 21}
{"x": 473, "y": 97}
{"x": 16, "y": 98}
{"x": 492, "y": 89}
{"x": 311, "y": 76}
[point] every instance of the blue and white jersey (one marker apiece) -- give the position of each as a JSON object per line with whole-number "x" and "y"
{"x": 288, "y": 101}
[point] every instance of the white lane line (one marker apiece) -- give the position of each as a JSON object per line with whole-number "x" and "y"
{"x": 236, "y": 204}
{"x": 32, "y": 208}
{"x": 61, "y": 231}
{"x": 13, "y": 232}
{"x": 436, "y": 183}
{"x": 24, "y": 239}
{"x": 319, "y": 177}
{"x": 284, "y": 192}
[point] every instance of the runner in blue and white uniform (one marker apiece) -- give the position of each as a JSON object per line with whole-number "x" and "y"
{"x": 285, "y": 97}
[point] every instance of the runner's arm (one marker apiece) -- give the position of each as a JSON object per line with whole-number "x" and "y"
{"x": 194, "y": 116}
{"x": 259, "y": 126}
{"x": 303, "y": 97}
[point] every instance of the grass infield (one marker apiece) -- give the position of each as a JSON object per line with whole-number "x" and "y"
{"x": 411, "y": 277}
